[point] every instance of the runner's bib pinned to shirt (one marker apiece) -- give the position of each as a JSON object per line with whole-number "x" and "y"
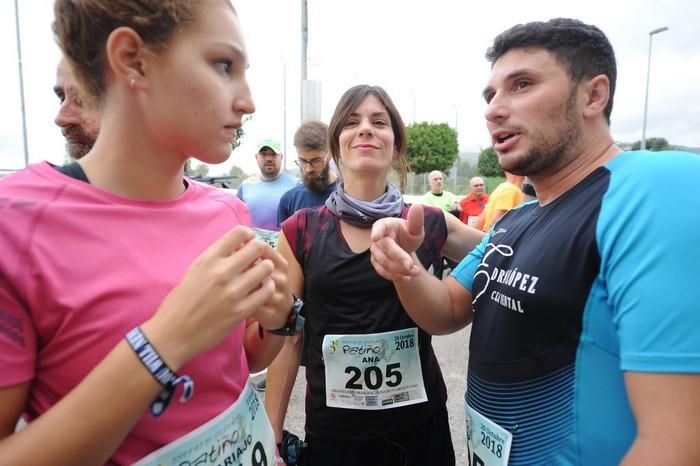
{"x": 269, "y": 236}
{"x": 373, "y": 371}
{"x": 488, "y": 444}
{"x": 241, "y": 435}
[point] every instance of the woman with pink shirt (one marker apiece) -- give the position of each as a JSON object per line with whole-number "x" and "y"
{"x": 135, "y": 302}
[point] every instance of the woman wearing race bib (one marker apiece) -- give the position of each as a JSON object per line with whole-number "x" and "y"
{"x": 134, "y": 301}
{"x": 375, "y": 392}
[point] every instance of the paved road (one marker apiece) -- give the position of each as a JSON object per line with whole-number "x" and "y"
{"x": 451, "y": 351}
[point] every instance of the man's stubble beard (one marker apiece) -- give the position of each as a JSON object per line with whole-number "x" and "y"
{"x": 549, "y": 156}
{"x": 320, "y": 184}
{"x": 270, "y": 175}
{"x": 78, "y": 141}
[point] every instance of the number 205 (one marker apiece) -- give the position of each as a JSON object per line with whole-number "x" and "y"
{"x": 373, "y": 376}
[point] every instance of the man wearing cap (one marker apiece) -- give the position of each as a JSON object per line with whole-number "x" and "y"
{"x": 262, "y": 193}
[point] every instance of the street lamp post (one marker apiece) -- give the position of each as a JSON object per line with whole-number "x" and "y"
{"x": 413, "y": 96}
{"x": 456, "y": 165}
{"x": 456, "y": 118}
{"x": 646, "y": 96}
{"x": 284, "y": 111}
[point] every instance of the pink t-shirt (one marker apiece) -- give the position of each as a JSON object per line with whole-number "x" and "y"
{"x": 80, "y": 267}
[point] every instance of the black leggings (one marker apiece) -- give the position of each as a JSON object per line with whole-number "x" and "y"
{"x": 429, "y": 443}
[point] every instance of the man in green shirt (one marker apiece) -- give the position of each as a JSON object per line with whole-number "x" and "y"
{"x": 437, "y": 197}
{"x": 445, "y": 200}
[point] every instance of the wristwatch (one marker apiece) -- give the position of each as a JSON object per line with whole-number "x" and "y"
{"x": 295, "y": 321}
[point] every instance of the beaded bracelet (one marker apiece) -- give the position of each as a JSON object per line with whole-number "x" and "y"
{"x": 160, "y": 371}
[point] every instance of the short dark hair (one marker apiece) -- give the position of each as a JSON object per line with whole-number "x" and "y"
{"x": 312, "y": 135}
{"x": 351, "y": 99}
{"x": 582, "y": 48}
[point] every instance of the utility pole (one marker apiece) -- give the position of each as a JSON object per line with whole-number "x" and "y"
{"x": 643, "y": 145}
{"x": 21, "y": 87}
{"x": 310, "y": 89}
{"x": 304, "y": 47}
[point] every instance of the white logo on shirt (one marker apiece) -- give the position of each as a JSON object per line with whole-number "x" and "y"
{"x": 512, "y": 278}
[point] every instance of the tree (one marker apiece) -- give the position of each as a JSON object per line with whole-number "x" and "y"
{"x": 653, "y": 144}
{"x": 466, "y": 169}
{"x": 488, "y": 163}
{"x": 431, "y": 146}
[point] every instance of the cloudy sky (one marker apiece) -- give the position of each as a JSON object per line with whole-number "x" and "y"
{"x": 429, "y": 56}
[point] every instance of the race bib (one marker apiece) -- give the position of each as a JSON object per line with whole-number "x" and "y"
{"x": 269, "y": 236}
{"x": 488, "y": 444}
{"x": 240, "y": 436}
{"x": 375, "y": 371}
{"x": 471, "y": 220}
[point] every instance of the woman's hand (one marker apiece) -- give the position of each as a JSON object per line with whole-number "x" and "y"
{"x": 273, "y": 314}
{"x": 393, "y": 241}
{"x": 232, "y": 279}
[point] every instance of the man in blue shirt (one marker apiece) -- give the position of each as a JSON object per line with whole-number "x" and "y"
{"x": 311, "y": 143}
{"x": 584, "y": 346}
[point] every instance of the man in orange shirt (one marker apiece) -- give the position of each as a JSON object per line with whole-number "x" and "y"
{"x": 473, "y": 203}
{"x": 506, "y": 196}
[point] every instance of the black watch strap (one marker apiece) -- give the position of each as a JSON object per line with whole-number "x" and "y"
{"x": 295, "y": 321}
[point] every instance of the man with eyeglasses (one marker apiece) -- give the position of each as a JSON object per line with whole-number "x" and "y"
{"x": 262, "y": 193}
{"x": 319, "y": 181}
{"x": 311, "y": 143}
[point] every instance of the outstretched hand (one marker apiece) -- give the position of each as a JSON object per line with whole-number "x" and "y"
{"x": 393, "y": 241}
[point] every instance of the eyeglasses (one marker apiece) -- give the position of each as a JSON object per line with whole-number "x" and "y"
{"x": 315, "y": 163}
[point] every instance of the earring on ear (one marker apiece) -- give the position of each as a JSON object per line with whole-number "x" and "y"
{"x": 132, "y": 82}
